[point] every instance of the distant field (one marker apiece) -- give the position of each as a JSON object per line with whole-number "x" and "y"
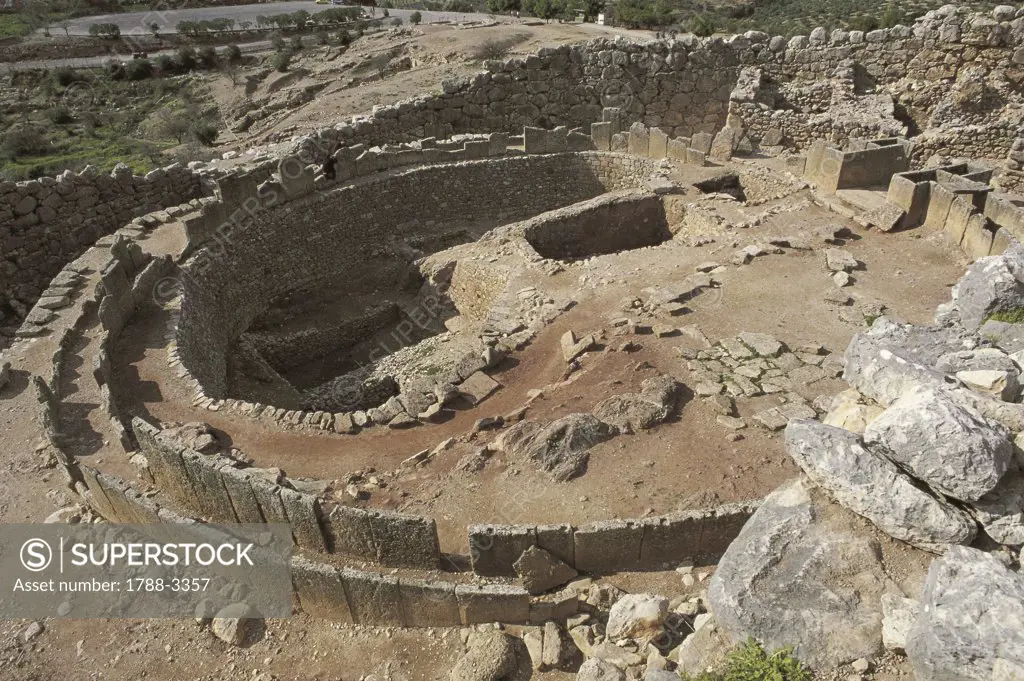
{"x": 13, "y": 26}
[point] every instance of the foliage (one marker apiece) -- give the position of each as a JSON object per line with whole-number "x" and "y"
{"x": 415, "y": 18}
{"x": 185, "y": 59}
{"x": 233, "y": 53}
{"x": 281, "y": 60}
{"x": 504, "y": 6}
{"x": 112, "y": 31}
{"x": 497, "y": 48}
{"x": 702, "y": 24}
{"x": 207, "y": 57}
{"x": 65, "y": 75}
{"x": 138, "y": 69}
{"x": 204, "y": 133}
{"x": 1014, "y": 316}
{"x": 750, "y": 662}
{"x": 643, "y": 13}
{"x": 397, "y": 21}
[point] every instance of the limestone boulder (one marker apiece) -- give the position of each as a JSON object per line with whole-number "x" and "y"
{"x": 236, "y": 624}
{"x": 850, "y": 412}
{"x": 872, "y": 486}
{"x": 561, "y": 448}
{"x": 1001, "y": 511}
{"x": 539, "y": 571}
{"x": 490, "y": 656}
{"x": 992, "y": 284}
{"x": 898, "y": 617}
{"x": 802, "y": 573}
{"x": 638, "y": 616}
{"x": 631, "y": 412}
{"x": 599, "y": 670}
{"x": 972, "y": 614}
{"x": 999, "y": 384}
{"x": 884, "y": 373}
{"x": 948, "y": 445}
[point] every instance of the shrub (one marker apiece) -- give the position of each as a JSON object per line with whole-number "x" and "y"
{"x": 750, "y": 662}
{"x": 207, "y": 57}
{"x": 702, "y": 25}
{"x": 296, "y": 43}
{"x": 115, "y": 69}
{"x": 186, "y": 59}
{"x": 24, "y": 140}
{"x": 233, "y": 53}
{"x": 112, "y": 31}
{"x": 322, "y": 38}
{"x": 386, "y": 12}
{"x": 496, "y": 48}
{"x": 415, "y": 18}
{"x": 60, "y": 115}
{"x": 281, "y": 61}
{"x": 165, "y": 64}
{"x": 66, "y": 75}
{"x": 1014, "y": 316}
{"x": 139, "y": 69}
{"x": 344, "y": 39}
{"x": 204, "y": 132}
{"x": 397, "y": 21}
{"x": 864, "y": 24}
{"x": 277, "y": 42}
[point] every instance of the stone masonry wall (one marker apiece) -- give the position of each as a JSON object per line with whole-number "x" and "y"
{"x": 46, "y": 223}
{"x": 295, "y": 244}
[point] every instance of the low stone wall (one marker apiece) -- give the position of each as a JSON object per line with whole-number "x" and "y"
{"x": 46, "y": 223}
{"x": 663, "y": 542}
{"x": 872, "y": 164}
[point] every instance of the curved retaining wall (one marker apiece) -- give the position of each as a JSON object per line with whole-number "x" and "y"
{"x": 313, "y": 238}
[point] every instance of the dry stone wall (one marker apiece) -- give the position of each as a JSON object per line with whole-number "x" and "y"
{"x": 46, "y": 223}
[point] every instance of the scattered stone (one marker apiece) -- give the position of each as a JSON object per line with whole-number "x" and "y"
{"x": 598, "y": 670}
{"x": 875, "y": 488}
{"x": 762, "y": 344}
{"x": 773, "y": 419}
{"x": 849, "y": 412}
{"x": 1001, "y": 385}
{"x": 637, "y": 616}
{"x": 236, "y": 624}
{"x": 947, "y": 445}
{"x": 839, "y": 260}
{"x": 731, "y": 422}
{"x": 971, "y": 613}
{"x": 898, "y": 616}
{"x": 5, "y": 374}
{"x": 841, "y": 279}
{"x": 539, "y": 571}
{"x": 559, "y": 651}
{"x": 992, "y": 284}
{"x": 561, "y": 447}
{"x": 478, "y": 387}
{"x": 32, "y": 631}
{"x": 491, "y": 656}
{"x": 573, "y": 347}
{"x": 1001, "y": 511}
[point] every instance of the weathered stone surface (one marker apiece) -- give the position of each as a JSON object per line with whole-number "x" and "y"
{"x": 839, "y": 260}
{"x": 874, "y": 487}
{"x": 559, "y": 651}
{"x": 799, "y": 574}
{"x": 236, "y": 624}
{"x": 637, "y": 616}
{"x": 898, "y": 616}
{"x": 599, "y": 670}
{"x": 631, "y": 412}
{"x": 849, "y": 412}
{"x": 491, "y": 656}
{"x": 945, "y": 444}
{"x": 972, "y": 612}
{"x": 478, "y": 387}
{"x": 1001, "y": 511}
{"x": 882, "y": 374}
{"x": 561, "y": 448}
{"x": 540, "y": 571}
{"x": 1001, "y": 385}
{"x": 992, "y": 284}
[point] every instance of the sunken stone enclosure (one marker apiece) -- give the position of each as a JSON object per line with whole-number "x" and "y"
{"x": 394, "y": 294}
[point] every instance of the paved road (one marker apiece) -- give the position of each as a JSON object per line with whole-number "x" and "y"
{"x": 96, "y": 62}
{"x": 136, "y": 23}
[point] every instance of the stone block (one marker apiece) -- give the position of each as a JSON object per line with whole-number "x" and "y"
{"x": 297, "y": 179}
{"x": 97, "y": 497}
{"x": 477, "y": 149}
{"x": 236, "y": 482}
{"x": 639, "y": 139}
{"x": 269, "y": 498}
{"x": 695, "y": 157}
{"x": 939, "y": 201}
{"x": 978, "y": 236}
{"x": 114, "y": 490}
{"x": 535, "y": 140}
{"x": 620, "y": 142}
{"x": 320, "y": 590}
{"x": 676, "y": 149}
{"x": 671, "y": 540}
{"x": 429, "y": 603}
{"x": 601, "y": 134}
{"x": 348, "y": 532}
{"x": 960, "y": 211}
{"x": 558, "y": 540}
{"x": 165, "y": 463}
{"x": 608, "y": 546}
{"x": 483, "y": 604}
{"x": 405, "y": 540}
{"x": 210, "y": 495}
{"x": 555, "y": 608}
{"x": 493, "y": 549}
{"x": 303, "y": 511}
{"x": 498, "y": 143}
{"x": 613, "y": 116}
{"x": 702, "y": 142}
{"x": 722, "y": 524}
{"x": 374, "y": 599}
{"x": 658, "y": 143}
{"x": 478, "y": 387}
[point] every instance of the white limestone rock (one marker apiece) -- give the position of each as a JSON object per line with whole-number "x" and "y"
{"x": 638, "y": 616}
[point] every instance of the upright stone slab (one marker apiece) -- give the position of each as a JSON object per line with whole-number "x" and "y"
{"x": 303, "y": 512}
{"x": 405, "y": 540}
{"x": 608, "y": 546}
{"x": 676, "y": 149}
{"x": 320, "y": 590}
{"x": 97, "y": 496}
{"x": 348, "y": 532}
{"x": 978, "y": 236}
{"x": 601, "y": 134}
{"x": 702, "y": 142}
{"x": 498, "y": 143}
{"x": 612, "y": 115}
{"x": 960, "y": 211}
{"x": 236, "y": 482}
{"x": 535, "y": 140}
{"x": 210, "y": 494}
{"x": 723, "y": 144}
{"x": 268, "y": 495}
{"x": 483, "y": 604}
{"x": 672, "y": 539}
{"x": 620, "y": 142}
{"x": 297, "y": 179}
{"x": 493, "y": 549}
{"x": 695, "y": 157}
{"x": 639, "y": 139}
{"x": 558, "y": 540}
{"x": 658, "y": 143}
{"x": 429, "y": 603}
{"x": 374, "y": 599}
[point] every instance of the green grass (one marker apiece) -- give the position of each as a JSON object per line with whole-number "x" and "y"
{"x": 102, "y": 122}
{"x": 1014, "y": 316}
{"x": 750, "y": 662}
{"x": 13, "y": 26}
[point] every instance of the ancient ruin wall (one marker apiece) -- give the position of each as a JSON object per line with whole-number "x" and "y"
{"x": 46, "y": 223}
{"x": 227, "y": 284}
{"x": 684, "y": 86}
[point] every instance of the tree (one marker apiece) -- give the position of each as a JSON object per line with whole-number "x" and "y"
{"x": 154, "y": 28}
{"x": 233, "y": 53}
{"x": 591, "y": 8}
{"x": 545, "y": 9}
{"x": 415, "y": 18}
{"x": 186, "y": 59}
{"x": 207, "y": 57}
{"x": 504, "y": 6}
